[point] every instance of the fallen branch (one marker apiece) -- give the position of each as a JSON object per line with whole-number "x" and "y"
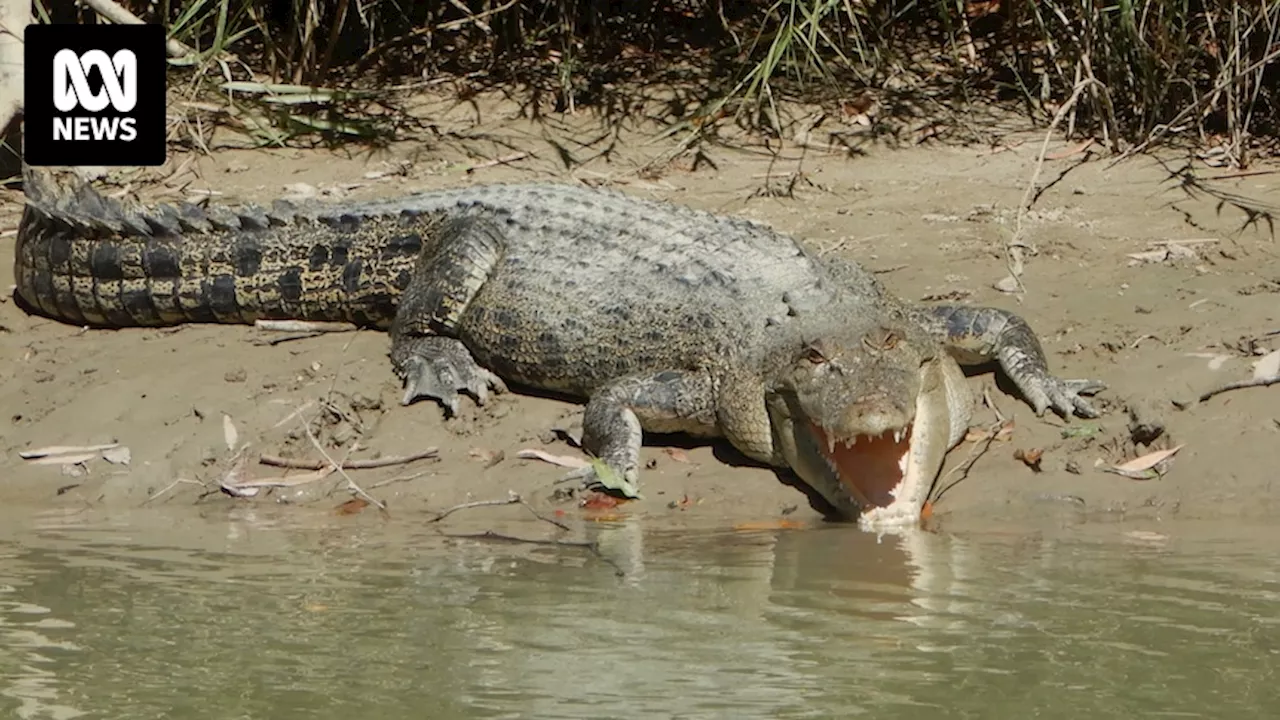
{"x": 1237, "y": 385}
{"x": 277, "y": 461}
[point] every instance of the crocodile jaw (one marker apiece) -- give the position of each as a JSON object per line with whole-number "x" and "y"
{"x": 872, "y": 468}
{"x": 881, "y": 477}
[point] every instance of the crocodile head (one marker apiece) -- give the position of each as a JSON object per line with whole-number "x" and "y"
{"x": 866, "y": 418}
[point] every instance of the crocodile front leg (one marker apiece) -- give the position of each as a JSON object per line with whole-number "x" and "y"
{"x": 620, "y": 412}
{"x": 977, "y": 335}
{"x": 454, "y": 264}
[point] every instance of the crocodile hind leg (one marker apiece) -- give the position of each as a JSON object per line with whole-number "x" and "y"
{"x": 453, "y": 266}
{"x": 620, "y": 412}
{"x": 977, "y": 335}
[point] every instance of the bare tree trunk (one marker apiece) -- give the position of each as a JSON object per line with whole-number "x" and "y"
{"x": 14, "y": 16}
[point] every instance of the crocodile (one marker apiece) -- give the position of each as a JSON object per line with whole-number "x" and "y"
{"x": 660, "y": 318}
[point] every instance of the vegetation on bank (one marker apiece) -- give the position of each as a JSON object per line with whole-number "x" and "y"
{"x": 1128, "y": 73}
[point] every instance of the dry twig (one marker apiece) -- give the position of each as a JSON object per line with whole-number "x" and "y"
{"x": 277, "y": 461}
{"x": 1237, "y": 385}
{"x": 512, "y": 498}
{"x": 338, "y": 466}
{"x": 1016, "y": 244}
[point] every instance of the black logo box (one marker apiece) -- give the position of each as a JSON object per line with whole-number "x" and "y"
{"x": 42, "y": 43}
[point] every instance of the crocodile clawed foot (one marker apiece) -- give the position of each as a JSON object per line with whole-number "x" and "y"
{"x": 441, "y": 370}
{"x": 1064, "y": 396}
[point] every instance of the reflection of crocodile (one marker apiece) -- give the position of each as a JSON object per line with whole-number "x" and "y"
{"x": 662, "y": 317}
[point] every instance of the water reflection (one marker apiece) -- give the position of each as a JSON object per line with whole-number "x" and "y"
{"x": 255, "y": 616}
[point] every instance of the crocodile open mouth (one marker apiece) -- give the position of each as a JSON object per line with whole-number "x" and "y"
{"x": 871, "y": 467}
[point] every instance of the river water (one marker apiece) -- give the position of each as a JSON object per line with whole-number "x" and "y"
{"x": 254, "y": 615}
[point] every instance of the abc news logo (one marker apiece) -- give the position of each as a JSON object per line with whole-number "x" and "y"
{"x": 95, "y": 95}
{"x": 71, "y": 91}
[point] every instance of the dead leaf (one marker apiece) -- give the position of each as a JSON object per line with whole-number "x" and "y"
{"x": 235, "y": 475}
{"x": 678, "y": 455}
{"x": 117, "y": 456}
{"x": 352, "y": 506}
{"x": 599, "y": 501}
{"x": 1147, "y": 536}
{"x": 781, "y": 524}
{"x": 490, "y": 457}
{"x": 1007, "y": 284}
{"x": 1164, "y": 253}
{"x": 1268, "y": 366}
{"x": 229, "y": 433}
{"x": 76, "y": 459}
{"x": 1069, "y": 151}
{"x": 561, "y": 460}
{"x": 979, "y": 434}
{"x": 1146, "y": 467}
{"x": 63, "y": 449}
{"x": 300, "y": 191}
{"x": 1031, "y": 458}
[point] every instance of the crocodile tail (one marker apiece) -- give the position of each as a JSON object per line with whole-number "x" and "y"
{"x": 89, "y": 259}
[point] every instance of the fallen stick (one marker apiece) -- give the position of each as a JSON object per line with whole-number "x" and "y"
{"x": 398, "y": 478}
{"x": 504, "y": 160}
{"x": 513, "y": 498}
{"x": 1242, "y": 174}
{"x": 1238, "y": 385}
{"x": 306, "y": 326}
{"x": 277, "y": 461}
{"x": 284, "y": 482}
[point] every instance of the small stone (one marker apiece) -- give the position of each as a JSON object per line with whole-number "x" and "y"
{"x": 235, "y": 376}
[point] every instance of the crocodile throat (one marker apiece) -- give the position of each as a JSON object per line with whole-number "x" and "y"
{"x": 871, "y": 467}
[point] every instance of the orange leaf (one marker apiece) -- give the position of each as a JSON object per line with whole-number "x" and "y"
{"x": 598, "y": 501}
{"x": 780, "y": 524}
{"x": 352, "y": 506}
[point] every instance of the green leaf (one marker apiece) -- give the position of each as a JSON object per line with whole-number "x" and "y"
{"x": 609, "y": 479}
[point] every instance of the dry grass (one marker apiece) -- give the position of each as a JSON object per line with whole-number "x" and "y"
{"x": 1202, "y": 70}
